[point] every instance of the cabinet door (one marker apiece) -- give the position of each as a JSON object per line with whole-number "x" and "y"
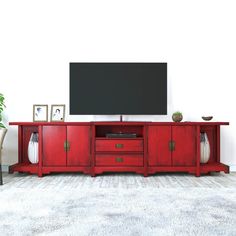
{"x": 184, "y": 152}
{"x": 54, "y": 153}
{"x": 78, "y": 138}
{"x": 158, "y": 145}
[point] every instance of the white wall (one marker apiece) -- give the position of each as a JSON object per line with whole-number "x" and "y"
{"x": 38, "y": 39}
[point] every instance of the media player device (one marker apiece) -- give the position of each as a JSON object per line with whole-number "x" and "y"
{"x": 121, "y": 135}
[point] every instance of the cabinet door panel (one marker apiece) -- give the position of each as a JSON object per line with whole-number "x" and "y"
{"x": 78, "y": 138}
{"x": 53, "y": 145}
{"x": 158, "y": 145}
{"x": 184, "y": 152}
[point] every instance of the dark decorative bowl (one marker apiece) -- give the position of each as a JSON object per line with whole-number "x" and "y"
{"x": 207, "y": 118}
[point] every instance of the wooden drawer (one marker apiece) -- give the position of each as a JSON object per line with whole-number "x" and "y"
{"x": 119, "y": 145}
{"x": 119, "y": 160}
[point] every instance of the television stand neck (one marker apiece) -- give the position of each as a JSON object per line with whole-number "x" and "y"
{"x": 121, "y": 118}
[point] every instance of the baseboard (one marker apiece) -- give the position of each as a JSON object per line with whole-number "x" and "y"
{"x": 232, "y": 168}
{"x": 5, "y": 168}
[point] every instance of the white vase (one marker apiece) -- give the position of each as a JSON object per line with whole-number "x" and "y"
{"x": 33, "y": 148}
{"x": 205, "y": 148}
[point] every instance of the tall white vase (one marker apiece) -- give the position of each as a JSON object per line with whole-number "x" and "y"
{"x": 205, "y": 148}
{"x": 33, "y": 148}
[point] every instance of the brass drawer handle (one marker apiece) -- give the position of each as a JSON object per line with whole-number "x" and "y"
{"x": 119, "y": 145}
{"x": 171, "y": 145}
{"x": 119, "y": 159}
{"x": 66, "y": 146}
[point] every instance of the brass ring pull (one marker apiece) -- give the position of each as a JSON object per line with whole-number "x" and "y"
{"x": 171, "y": 145}
{"x": 119, "y": 145}
{"x": 66, "y": 146}
{"x": 119, "y": 159}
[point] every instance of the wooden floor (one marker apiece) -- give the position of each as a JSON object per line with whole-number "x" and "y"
{"x": 122, "y": 180}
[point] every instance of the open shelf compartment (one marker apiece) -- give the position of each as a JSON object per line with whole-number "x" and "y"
{"x": 213, "y": 134}
{"x": 24, "y": 165}
{"x": 102, "y": 130}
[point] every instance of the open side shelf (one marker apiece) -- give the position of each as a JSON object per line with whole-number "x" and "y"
{"x": 101, "y": 131}
{"x": 214, "y": 167}
{"x": 24, "y": 167}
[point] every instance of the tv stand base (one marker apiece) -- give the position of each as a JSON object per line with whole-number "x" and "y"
{"x": 152, "y": 148}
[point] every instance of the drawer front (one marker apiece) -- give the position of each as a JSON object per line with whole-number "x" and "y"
{"x": 119, "y": 145}
{"x": 119, "y": 160}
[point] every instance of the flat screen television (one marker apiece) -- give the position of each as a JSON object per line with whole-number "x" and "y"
{"x": 118, "y": 88}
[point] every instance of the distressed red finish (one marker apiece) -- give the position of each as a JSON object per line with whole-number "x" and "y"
{"x": 184, "y": 150}
{"x": 122, "y": 145}
{"x": 84, "y": 147}
{"x": 119, "y": 160}
{"x": 79, "y": 145}
{"x": 159, "y": 153}
{"x": 54, "y": 153}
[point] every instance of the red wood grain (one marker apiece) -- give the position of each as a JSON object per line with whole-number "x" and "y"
{"x": 78, "y": 138}
{"x": 117, "y": 145}
{"x": 40, "y": 154}
{"x": 184, "y": 153}
{"x": 158, "y": 146}
{"x": 53, "y": 145}
{"x": 198, "y": 151}
{"x": 92, "y": 153}
{"x": 119, "y": 160}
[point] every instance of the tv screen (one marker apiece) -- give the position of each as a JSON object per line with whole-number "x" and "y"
{"x": 118, "y": 88}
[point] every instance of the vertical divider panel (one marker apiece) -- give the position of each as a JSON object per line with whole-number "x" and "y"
{"x": 40, "y": 147}
{"x": 171, "y": 138}
{"x": 20, "y": 144}
{"x": 67, "y": 146}
{"x": 218, "y": 143}
{"x": 145, "y": 139}
{"x": 93, "y": 151}
{"x": 198, "y": 152}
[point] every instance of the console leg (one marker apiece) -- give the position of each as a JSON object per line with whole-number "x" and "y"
{"x": 227, "y": 170}
{"x": 40, "y": 174}
{"x": 145, "y": 174}
{"x": 197, "y": 174}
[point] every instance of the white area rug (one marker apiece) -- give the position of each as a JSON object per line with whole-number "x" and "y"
{"x": 118, "y": 205}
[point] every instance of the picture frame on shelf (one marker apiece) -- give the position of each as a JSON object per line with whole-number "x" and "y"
{"x": 58, "y": 112}
{"x": 40, "y": 113}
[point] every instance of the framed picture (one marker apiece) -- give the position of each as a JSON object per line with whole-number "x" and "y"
{"x": 57, "y": 112}
{"x": 40, "y": 112}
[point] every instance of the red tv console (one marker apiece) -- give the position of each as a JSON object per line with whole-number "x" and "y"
{"x": 86, "y": 147}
